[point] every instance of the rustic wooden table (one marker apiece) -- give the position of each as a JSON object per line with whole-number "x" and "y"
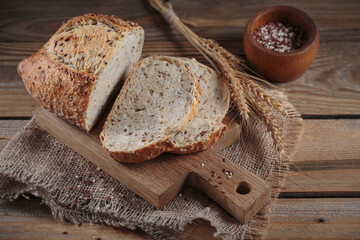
{"x": 321, "y": 196}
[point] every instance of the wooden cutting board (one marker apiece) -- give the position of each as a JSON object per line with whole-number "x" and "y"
{"x": 158, "y": 181}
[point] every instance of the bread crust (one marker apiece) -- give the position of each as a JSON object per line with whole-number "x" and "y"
{"x": 143, "y": 154}
{"x": 206, "y": 143}
{"x": 113, "y": 21}
{"x": 58, "y": 87}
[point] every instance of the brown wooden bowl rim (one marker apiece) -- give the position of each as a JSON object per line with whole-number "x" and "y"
{"x": 313, "y": 34}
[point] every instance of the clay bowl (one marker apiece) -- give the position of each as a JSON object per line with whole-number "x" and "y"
{"x": 276, "y": 66}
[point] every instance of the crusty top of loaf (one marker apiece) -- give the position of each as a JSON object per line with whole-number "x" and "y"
{"x": 87, "y": 43}
{"x": 62, "y": 73}
{"x": 45, "y": 78}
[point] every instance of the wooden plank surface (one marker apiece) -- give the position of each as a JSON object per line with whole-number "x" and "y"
{"x": 8, "y": 128}
{"x": 28, "y": 219}
{"x": 325, "y": 183}
{"x": 327, "y": 164}
{"x": 329, "y": 139}
{"x": 15, "y": 101}
{"x": 339, "y": 20}
{"x": 294, "y": 218}
{"x": 315, "y": 218}
{"x": 329, "y": 87}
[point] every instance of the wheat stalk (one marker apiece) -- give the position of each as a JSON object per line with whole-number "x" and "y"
{"x": 247, "y": 95}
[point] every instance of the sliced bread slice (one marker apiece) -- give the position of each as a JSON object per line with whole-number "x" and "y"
{"x": 159, "y": 98}
{"x": 207, "y": 126}
{"x": 82, "y": 65}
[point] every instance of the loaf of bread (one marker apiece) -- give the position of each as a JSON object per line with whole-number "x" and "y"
{"x": 82, "y": 65}
{"x": 207, "y": 126}
{"x": 158, "y": 99}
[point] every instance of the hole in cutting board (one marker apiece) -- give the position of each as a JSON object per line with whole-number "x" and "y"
{"x": 243, "y": 188}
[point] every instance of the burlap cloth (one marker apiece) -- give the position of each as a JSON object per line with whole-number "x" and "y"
{"x": 35, "y": 163}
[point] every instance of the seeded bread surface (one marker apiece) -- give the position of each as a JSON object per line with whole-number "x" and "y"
{"x": 207, "y": 126}
{"x": 159, "y": 98}
{"x": 82, "y": 65}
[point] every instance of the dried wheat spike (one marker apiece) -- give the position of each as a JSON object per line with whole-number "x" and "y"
{"x": 232, "y": 76}
{"x": 258, "y": 91}
{"x": 266, "y": 115}
{"x": 233, "y": 60}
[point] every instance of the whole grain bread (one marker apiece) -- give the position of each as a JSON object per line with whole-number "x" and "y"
{"x": 158, "y": 99}
{"x": 207, "y": 126}
{"x": 82, "y": 65}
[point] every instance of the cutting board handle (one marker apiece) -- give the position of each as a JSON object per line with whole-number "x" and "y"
{"x": 237, "y": 190}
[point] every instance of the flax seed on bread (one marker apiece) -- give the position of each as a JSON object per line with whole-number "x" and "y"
{"x": 159, "y": 98}
{"x": 82, "y": 65}
{"x": 207, "y": 126}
